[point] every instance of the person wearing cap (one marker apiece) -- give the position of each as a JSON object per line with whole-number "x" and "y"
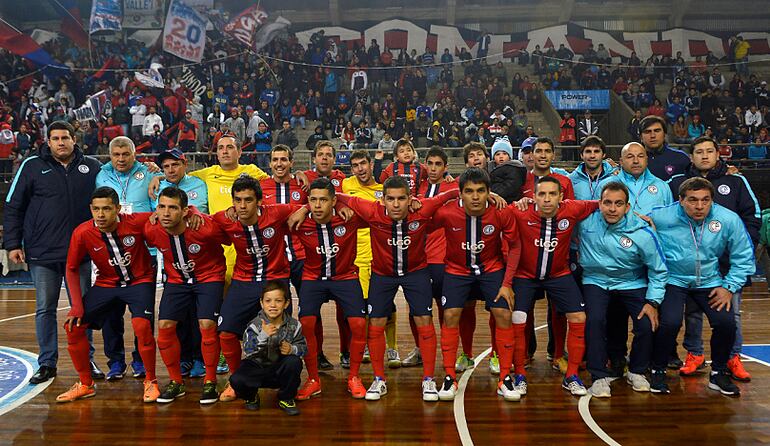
{"x": 174, "y": 166}
{"x": 187, "y": 133}
{"x": 507, "y": 174}
{"x": 436, "y": 134}
{"x": 525, "y": 153}
{"x": 587, "y": 126}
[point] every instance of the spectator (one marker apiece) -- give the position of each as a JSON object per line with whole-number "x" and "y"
{"x": 725, "y": 151}
{"x": 696, "y": 129}
{"x": 680, "y": 130}
{"x": 436, "y": 134}
{"x": 138, "y": 112}
{"x": 110, "y": 130}
{"x": 286, "y": 136}
{"x": 263, "y": 140}
{"x": 568, "y": 137}
{"x": 378, "y": 132}
{"x": 757, "y": 151}
{"x": 187, "y": 133}
{"x": 158, "y": 140}
{"x": 7, "y": 146}
{"x": 387, "y": 144}
{"x": 656, "y": 109}
{"x": 741, "y": 54}
{"x": 298, "y": 114}
{"x": 588, "y": 126}
{"x": 675, "y": 110}
{"x": 236, "y": 124}
{"x": 633, "y": 126}
{"x": 363, "y": 136}
{"x": 313, "y": 139}
{"x": 150, "y": 121}
{"x": 753, "y": 119}
{"x": 348, "y": 135}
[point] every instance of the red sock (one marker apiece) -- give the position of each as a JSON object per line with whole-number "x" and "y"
{"x": 377, "y": 350}
{"x": 77, "y": 346}
{"x": 467, "y": 327}
{"x": 520, "y": 348}
{"x": 231, "y": 349}
{"x": 357, "y": 343}
{"x": 493, "y": 333}
{"x": 143, "y": 332}
{"x": 449, "y": 340}
{"x": 311, "y": 358}
{"x": 505, "y": 347}
{"x": 168, "y": 344}
{"x": 415, "y": 332}
{"x": 576, "y": 345}
{"x": 210, "y": 351}
{"x": 529, "y": 331}
{"x": 427, "y": 344}
{"x": 345, "y": 335}
{"x": 559, "y": 329}
{"x": 319, "y": 334}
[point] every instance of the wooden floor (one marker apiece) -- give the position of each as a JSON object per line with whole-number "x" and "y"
{"x": 548, "y": 415}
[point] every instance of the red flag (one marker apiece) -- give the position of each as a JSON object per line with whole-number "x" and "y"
{"x": 243, "y": 26}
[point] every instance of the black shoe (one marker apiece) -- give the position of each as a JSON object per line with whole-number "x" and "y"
{"x": 172, "y": 391}
{"x": 253, "y": 404}
{"x": 43, "y": 374}
{"x": 209, "y": 394}
{"x": 675, "y": 363}
{"x": 323, "y": 363}
{"x": 96, "y": 372}
{"x": 288, "y": 406}
{"x": 721, "y": 382}
{"x": 658, "y": 382}
{"x": 185, "y": 366}
{"x": 617, "y": 368}
{"x": 345, "y": 360}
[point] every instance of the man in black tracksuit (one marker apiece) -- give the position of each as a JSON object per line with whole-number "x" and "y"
{"x": 48, "y": 198}
{"x": 732, "y": 192}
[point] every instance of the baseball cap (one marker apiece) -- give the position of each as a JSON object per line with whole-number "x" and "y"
{"x": 171, "y": 154}
{"x": 528, "y": 144}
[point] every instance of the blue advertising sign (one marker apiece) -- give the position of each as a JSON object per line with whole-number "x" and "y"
{"x": 579, "y": 99}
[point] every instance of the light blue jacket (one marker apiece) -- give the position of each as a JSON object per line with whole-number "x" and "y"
{"x": 585, "y": 188}
{"x": 197, "y": 193}
{"x": 722, "y": 231}
{"x": 623, "y": 256}
{"x": 646, "y": 192}
{"x": 135, "y": 183}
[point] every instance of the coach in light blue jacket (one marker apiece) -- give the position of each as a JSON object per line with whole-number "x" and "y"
{"x": 645, "y": 189}
{"x": 129, "y": 178}
{"x": 588, "y": 175}
{"x": 622, "y": 262}
{"x": 695, "y": 233}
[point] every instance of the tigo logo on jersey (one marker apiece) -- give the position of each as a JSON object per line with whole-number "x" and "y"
{"x": 488, "y": 229}
{"x": 400, "y": 244}
{"x": 121, "y": 260}
{"x": 268, "y": 232}
{"x": 724, "y": 189}
{"x": 185, "y": 267}
{"x": 328, "y": 251}
{"x": 415, "y": 225}
{"x": 296, "y": 196}
{"x": 259, "y": 252}
{"x": 194, "y": 248}
{"x": 715, "y": 226}
{"x": 563, "y": 224}
{"x": 475, "y": 248}
{"x": 626, "y": 242}
{"x": 547, "y": 245}
{"x": 652, "y": 189}
{"x": 340, "y": 231}
{"x": 129, "y": 240}
{"x": 83, "y": 169}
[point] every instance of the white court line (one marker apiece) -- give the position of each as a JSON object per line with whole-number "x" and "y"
{"x": 459, "y": 403}
{"x": 28, "y": 315}
{"x": 585, "y": 414}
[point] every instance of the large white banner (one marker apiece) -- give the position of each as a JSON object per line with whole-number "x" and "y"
{"x": 185, "y": 32}
{"x": 143, "y": 14}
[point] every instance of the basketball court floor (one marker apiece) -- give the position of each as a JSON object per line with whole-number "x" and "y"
{"x": 547, "y": 415}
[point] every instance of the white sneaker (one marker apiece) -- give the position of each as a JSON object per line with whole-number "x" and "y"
{"x": 601, "y": 388}
{"x": 494, "y": 365}
{"x": 377, "y": 390}
{"x": 505, "y": 389}
{"x": 448, "y": 389}
{"x": 394, "y": 360}
{"x": 429, "y": 391}
{"x": 520, "y": 384}
{"x": 574, "y": 385}
{"x": 638, "y": 382}
{"x": 413, "y": 359}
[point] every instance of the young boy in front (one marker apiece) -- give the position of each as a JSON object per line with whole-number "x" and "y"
{"x": 273, "y": 344}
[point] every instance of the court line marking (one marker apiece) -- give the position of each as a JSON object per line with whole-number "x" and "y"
{"x": 585, "y": 414}
{"x": 459, "y": 403}
{"x": 29, "y": 314}
{"x": 39, "y": 388}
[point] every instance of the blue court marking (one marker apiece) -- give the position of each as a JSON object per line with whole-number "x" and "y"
{"x": 757, "y": 352}
{"x": 16, "y": 367}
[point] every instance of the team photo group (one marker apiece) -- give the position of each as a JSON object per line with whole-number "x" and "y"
{"x": 247, "y": 258}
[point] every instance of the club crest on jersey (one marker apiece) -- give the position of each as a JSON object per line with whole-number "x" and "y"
{"x": 296, "y": 196}
{"x": 139, "y": 176}
{"x": 378, "y": 194}
{"x": 340, "y": 231}
{"x": 194, "y": 248}
{"x": 669, "y": 169}
{"x": 129, "y": 240}
{"x": 724, "y": 189}
{"x": 268, "y": 232}
{"x": 715, "y": 226}
{"x": 488, "y": 229}
{"x": 192, "y": 195}
{"x": 415, "y": 225}
{"x": 652, "y": 189}
{"x": 563, "y": 224}
{"x": 626, "y": 242}
{"x": 83, "y": 168}
{"x": 336, "y": 182}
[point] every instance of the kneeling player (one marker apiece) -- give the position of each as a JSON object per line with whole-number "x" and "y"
{"x": 195, "y": 268}
{"x": 125, "y": 276}
{"x": 474, "y": 233}
{"x": 273, "y": 343}
{"x": 329, "y": 273}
